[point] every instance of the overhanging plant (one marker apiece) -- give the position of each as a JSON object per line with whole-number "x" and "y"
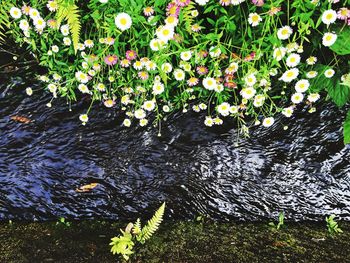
{"x": 249, "y": 60}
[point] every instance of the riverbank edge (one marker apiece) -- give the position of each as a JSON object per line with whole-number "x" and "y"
{"x": 176, "y": 241}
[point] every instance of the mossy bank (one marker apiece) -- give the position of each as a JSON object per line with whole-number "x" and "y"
{"x": 87, "y": 241}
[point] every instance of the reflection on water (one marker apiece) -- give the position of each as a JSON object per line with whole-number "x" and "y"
{"x": 304, "y": 171}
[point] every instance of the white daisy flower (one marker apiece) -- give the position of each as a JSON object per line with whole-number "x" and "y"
{"x": 150, "y": 65}
{"x": 157, "y": 44}
{"x": 101, "y": 87}
{"x": 83, "y": 118}
{"x": 39, "y": 23}
{"x": 167, "y": 67}
{"x": 24, "y": 25}
{"x": 149, "y": 105}
{"x": 311, "y": 60}
{"x": 15, "y": 12}
{"x": 233, "y": 109}
{"x": 123, "y": 21}
{"x": 55, "y": 49}
{"x": 248, "y": 93}
{"x": 209, "y": 121}
{"x": 140, "y": 114}
{"x": 284, "y": 32}
{"x": 82, "y": 77}
{"x": 186, "y": 55}
{"x": 65, "y": 30}
{"x": 311, "y": 74}
{"x": 254, "y": 19}
{"x": 143, "y": 122}
{"x": 165, "y": 33}
{"x": 224, "y": 109}
{"x": 179, "y": 74}
{"x": 89, "y": 43}
{"x": 158, "y": 88}
{"x": 201, "y": 2}
{"x": 329, "y": 73}
{"x": 218, "y": 121}
{"x": 219, "y": 88}
{"x": 313, "y": 97}
{"x": 293, "y": 60}
{"x": 267, "y": 122}
{"x": 127, "y": 122}
{"x": 250, "y": 80}
{"x": 279, "y": 53}
{"x": 302, "y": 85}
{"x": 34, "y": 13}
{"x": 329, "y": 17}
{"x": 67, "y": 41}
{"x": 84, "y": 89}
{"x": 203, "y": 106}
{"x": 52, "y": 6}
{"x": 288, "y": 112}
{"x": 297, "y": 97}
{"x": 329, "y": 39}
{"x": 171, "y": 21}
{"x": 290, "y": 75}
{"x": 209, "y": 83}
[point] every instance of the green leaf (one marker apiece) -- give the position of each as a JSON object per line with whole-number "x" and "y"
{"x": 342, "y": 45}
{"x": 339, "y": 93}
{"x": 152, "y": 224}
{"x": 346, "y": 129}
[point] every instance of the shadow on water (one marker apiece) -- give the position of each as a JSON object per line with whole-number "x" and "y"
{"x": 304, "y": 171}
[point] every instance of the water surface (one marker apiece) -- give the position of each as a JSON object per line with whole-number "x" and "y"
{"x": 304, "y": 171}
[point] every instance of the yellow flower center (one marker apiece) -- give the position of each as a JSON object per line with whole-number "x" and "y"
{"x": 123, "y": 21}
{"x": 329, "y": 16}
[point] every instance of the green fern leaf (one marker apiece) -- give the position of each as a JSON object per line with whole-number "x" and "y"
{"x": 4, "y": 19}
{"x": 188, "y": 18}
{"x": 137, "y": 227}
{"x": 69, "y": 12}
{"x": 152, "y": 224}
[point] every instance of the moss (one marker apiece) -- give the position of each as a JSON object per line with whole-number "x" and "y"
{"x": 87, "y": 241}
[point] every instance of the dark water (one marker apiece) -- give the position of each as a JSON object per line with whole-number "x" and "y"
{"x": 304, "y": 171}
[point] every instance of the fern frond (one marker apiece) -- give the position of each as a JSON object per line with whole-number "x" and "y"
{"x": 73, "y": 19}
{"x": 70, "y": 12}
{"x": 137, "y": 227}
{"x": 187, "y": 16}
{"x": 152, "y": 224}
{"x": 4, "y": 19}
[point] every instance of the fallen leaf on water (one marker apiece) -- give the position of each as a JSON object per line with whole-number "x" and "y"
{"x": 21, "y": 119}
{"x": 86, "y": 188}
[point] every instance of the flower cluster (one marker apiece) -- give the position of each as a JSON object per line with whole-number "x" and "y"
{"x": 250, "y": 63}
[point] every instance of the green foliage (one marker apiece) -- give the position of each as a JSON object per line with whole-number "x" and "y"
{"x": 342, "y": 45}
{"x": 188, "y": 18}
{"x": 133, "y": 233}
{"x": 332, "y": 225}
{"x": 280, "y": 222}
{"x": 68, "y": 11}
{"x": 62, "y": 222}
{"x": 339, "y": 93}
{"x": 4, "y": 19}
{"x": 239, "y": 57}
{"x": 346, "y": 129}
{"x": 123, "y": 245}
{"x": 152, "y": 225}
